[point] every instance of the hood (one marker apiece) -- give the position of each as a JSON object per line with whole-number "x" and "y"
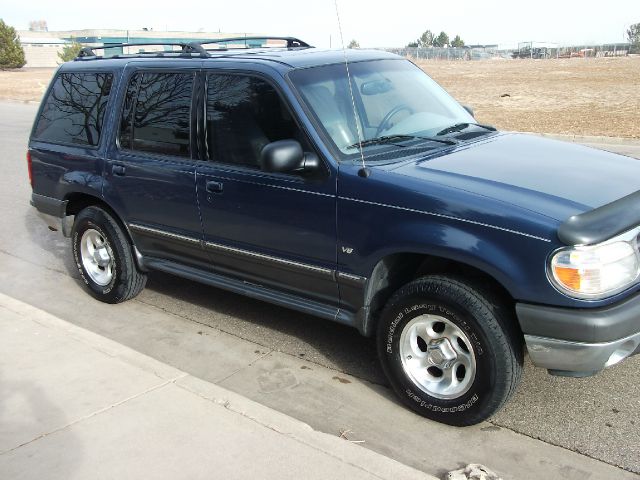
{"x": 556, "y": 179}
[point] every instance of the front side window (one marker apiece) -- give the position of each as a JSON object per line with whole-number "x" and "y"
{"x": 244, "y": 114}
{"x": 156, "y": 114}
{"x": 74, "y": 110}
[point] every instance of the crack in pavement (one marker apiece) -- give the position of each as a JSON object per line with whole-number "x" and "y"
{"x": 97, "y": 412}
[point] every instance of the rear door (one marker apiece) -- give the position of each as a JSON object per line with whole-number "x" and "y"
{"x": 150, "y": 171}
{"x": 272, "y": 229}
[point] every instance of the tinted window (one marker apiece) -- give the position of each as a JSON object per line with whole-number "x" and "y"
{"x": 126, "y": 122}
{"x": 243, "y": 115}
{"x": 158, "y": 120}
{"x": 74, "y": 109}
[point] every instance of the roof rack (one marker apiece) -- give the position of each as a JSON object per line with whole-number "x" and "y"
{"x": 292, "y": 42}
{"x": 187, "y": 49}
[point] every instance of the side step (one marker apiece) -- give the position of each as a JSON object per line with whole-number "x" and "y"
{"x": 252, "y": 290}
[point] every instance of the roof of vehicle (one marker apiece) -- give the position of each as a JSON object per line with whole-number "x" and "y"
{"x": 297, "y": 57}
{"x": 311, "y": 57}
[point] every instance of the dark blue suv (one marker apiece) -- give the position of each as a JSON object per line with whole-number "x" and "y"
{"x": 350, "y": 186}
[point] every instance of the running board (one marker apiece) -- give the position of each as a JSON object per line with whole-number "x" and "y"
{"x": 252, "y": 290}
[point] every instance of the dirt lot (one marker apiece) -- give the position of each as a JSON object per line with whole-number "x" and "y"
{"x": 573, "y": 96}
{"x": 26, "y": 84}
{"x": 598, "y": 96}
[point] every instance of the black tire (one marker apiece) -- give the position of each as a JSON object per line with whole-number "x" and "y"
{"x": 495, "y": 339}
{"x": 127, "y": 281}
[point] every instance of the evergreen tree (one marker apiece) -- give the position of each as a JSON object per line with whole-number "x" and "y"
{"x": 441, "y": 40}
{"x": 426, "y": 39}
{"x": 457, "y": 42}
{"x": 11, "y": 52}
{"x": 633, "y": 33}
{"x": 70, "y": 51}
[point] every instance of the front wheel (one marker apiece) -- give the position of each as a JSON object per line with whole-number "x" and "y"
{"x": 104, "y": 257}
{"x": 450, "y": 353}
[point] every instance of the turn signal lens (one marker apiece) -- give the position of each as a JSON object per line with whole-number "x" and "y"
{"x": 569, "y": 277}
{"x": 596, "y": 271}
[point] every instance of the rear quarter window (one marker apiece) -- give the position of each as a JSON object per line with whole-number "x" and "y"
{"x": 74, "y": 111}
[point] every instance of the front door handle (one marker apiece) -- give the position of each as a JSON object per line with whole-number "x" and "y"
{"x": 118, "y": 170}
{"x": 214, "y": 187}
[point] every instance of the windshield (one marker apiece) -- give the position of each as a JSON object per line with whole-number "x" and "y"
{"x": 397, "y": 105}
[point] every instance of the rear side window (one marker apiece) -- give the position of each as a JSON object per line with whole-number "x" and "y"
{"x": 74, "y": 110}
{"x": 156, "y": 114}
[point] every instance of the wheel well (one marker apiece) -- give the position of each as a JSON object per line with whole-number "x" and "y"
{"x": 76, "y": 202}
{"x": 396, "y": 270}
{"x": 79, "y": 201}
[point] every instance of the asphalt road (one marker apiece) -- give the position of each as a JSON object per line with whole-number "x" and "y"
{"x": 322, "y": 373}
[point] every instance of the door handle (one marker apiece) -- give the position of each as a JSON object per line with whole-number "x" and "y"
{"x": 118, "y": 170}
{"x": 214, "y": 187}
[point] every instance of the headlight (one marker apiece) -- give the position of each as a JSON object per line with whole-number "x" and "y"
{"x": 597, "y": 271}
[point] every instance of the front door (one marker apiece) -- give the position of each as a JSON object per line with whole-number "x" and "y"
{"x": 271, "y": 229}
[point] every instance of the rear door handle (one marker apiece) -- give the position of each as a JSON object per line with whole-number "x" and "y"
{"x": 118, "y": 170}
{"x": 214, "y": 187}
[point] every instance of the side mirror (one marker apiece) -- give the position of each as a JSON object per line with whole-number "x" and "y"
{"x": 469, "y": 109}
{"x": 286, "y": 156}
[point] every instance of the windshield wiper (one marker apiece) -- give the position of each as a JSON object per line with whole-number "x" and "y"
{"x": 392, "y": 138}
{"x": 458, "y": 127}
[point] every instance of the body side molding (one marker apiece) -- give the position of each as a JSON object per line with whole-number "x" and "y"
{"x": 338, "y": 276}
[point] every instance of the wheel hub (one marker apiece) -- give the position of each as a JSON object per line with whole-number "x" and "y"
{"x": 441, "y": 354}
{"x": 97, "y": 257}
{"x": 437, "y": 356}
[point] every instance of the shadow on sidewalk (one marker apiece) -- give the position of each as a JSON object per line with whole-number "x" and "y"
{"x": 27, "y": 416}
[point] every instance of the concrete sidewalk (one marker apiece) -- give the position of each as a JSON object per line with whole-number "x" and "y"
{"x": 76, "y": 405}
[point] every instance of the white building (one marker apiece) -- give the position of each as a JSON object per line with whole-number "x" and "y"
{"x": 41, "y": 48}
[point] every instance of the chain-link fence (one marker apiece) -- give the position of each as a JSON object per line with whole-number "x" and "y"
{"x": 527, "y": 51}
{"x": 613, "y": 50}
{"x": 438, "y": 53}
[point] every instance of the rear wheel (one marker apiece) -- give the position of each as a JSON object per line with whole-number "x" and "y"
{"x": 104, "y": 258}
{"x": 451, "y": 353}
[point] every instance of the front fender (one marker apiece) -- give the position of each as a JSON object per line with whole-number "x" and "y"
{"x": 517, "y": 263}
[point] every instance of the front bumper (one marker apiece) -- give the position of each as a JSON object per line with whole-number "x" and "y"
{"x": 575, "y": 359}
{"x": 580, "y": 342}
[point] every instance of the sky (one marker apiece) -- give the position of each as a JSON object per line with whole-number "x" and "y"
{"x": 373, "y": 23}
